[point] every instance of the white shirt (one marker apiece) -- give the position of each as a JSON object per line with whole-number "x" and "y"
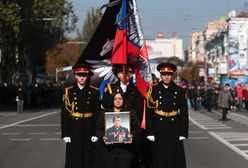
{"x": 124, "y": 87}
{"x": 80, "y": 86}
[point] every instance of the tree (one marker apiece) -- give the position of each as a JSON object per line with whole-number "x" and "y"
{"x": 9, "y": 28}
{"x": 90, "y": 24}
{"x": 175, "y": 60}
{"x": 61, "y": 56}
{"x": 68, "y": 53}
{"x": 40, "y": 27}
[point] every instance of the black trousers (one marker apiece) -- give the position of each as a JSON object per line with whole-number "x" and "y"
{"x": 224, "y": 113}
{"x": 123, "y": 160}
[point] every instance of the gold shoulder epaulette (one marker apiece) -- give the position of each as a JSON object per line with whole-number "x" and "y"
{"x": 154, "y": 103}
{"x": 94, "y": 87}
{"x": 109, "y": 88}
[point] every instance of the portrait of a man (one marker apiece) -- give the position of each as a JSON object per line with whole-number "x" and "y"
{"x": 118, "y": 132}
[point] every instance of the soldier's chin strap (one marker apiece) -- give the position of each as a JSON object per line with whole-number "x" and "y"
{"x": 69, "y": 106}
{"x": 150, "y": 99}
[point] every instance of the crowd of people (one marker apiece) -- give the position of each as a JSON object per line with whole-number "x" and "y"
{"x": 208, "y": 97}
{"x": 38, "y": 95}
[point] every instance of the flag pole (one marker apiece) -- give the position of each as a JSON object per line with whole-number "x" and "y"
{"x": 124, "y": 73}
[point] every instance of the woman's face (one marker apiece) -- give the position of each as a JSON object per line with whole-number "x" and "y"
{"x": 118, "y": 100}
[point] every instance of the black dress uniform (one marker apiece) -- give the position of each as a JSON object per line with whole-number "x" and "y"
{"x": 167, "y": 120}
{"x": 119, "y": 154}
{"x": 80, "y": 108}
{"x": 132, "y": 96}
{"x": 134, "y": 100}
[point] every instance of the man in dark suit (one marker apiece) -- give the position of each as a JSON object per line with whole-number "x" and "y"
{"x": 117, "y": 133}
{"x": 167, "y": 120}
{"x": 80, "y": 108}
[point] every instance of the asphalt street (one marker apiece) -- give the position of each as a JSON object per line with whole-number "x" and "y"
{"x": 32, "y": 140}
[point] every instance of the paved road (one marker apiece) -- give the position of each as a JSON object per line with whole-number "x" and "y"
{"x": 215, "y": 143}
{"x": 32, "y": 140}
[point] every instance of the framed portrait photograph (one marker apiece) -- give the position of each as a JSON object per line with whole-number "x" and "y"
{"x": 117, "y": 127}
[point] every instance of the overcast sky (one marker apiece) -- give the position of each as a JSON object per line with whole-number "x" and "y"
{"x": 180, "y": 16}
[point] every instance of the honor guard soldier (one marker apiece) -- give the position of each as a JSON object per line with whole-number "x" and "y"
{"x": 167, "y": 120}
{"x": 133, "y": 97}
{"x": 80, "y": 108}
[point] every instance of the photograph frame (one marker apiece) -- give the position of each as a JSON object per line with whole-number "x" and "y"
{"x": 118, "y": 127}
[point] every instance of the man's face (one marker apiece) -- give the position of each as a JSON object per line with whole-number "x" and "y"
{"x": 81, "y": 78}
{"x": 118, "y": 100}
{"x": 117, "y": 123}
{"x": 124, "y": 78}
{"x": 166, "y": 77}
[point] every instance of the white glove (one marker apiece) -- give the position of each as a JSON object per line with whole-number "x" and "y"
{"x": 67, "y": 139}
{"x": 94, "y": 139}
{"x": 151, "y": 138}
{"x": 182, "y": 138}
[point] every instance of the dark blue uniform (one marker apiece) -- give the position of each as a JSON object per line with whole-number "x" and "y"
{"x": 117, "y": 134}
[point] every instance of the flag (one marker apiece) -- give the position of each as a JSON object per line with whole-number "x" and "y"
{"x": 98, "y": 51}
{"x": 119, "y": 54}
{"x": 129, "y": 45}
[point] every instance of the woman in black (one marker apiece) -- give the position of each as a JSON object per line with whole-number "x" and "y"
{"x": 112, "y": 155}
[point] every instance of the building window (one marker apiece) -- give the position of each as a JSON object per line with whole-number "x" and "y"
{"x": 241, "y": 55}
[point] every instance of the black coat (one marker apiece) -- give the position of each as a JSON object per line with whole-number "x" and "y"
{"x": 133, "y": 97}
{"x": 79, "y": 153}
{"x": 168, "y": 151}
{"x": 104, "y": 152}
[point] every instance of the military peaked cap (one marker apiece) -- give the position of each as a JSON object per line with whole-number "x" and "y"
{"x": 82, "y": 69}
{"x": 166, "y": 67}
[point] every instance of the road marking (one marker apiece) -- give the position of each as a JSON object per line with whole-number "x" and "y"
{"x": 239, "y": 116}
{"x": 11, "y": 133}
{"x": 234, "y": 148}
{"x": 195, "y": 132}
{"x": 37, "y": 133}
{"x": 24, "y": 139}
{"x": 50, "y": 139}
{"x": 198, "y": 137}
{"x": 57, "y": 133}
{"x": 37, "y": 125}
{"x": 238, "y": 139}
{"x": 197, "y": 124}
{"x": 240, "y": 145}
{"x": 219, "y": 128}
{"x": 30, "y": 119}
